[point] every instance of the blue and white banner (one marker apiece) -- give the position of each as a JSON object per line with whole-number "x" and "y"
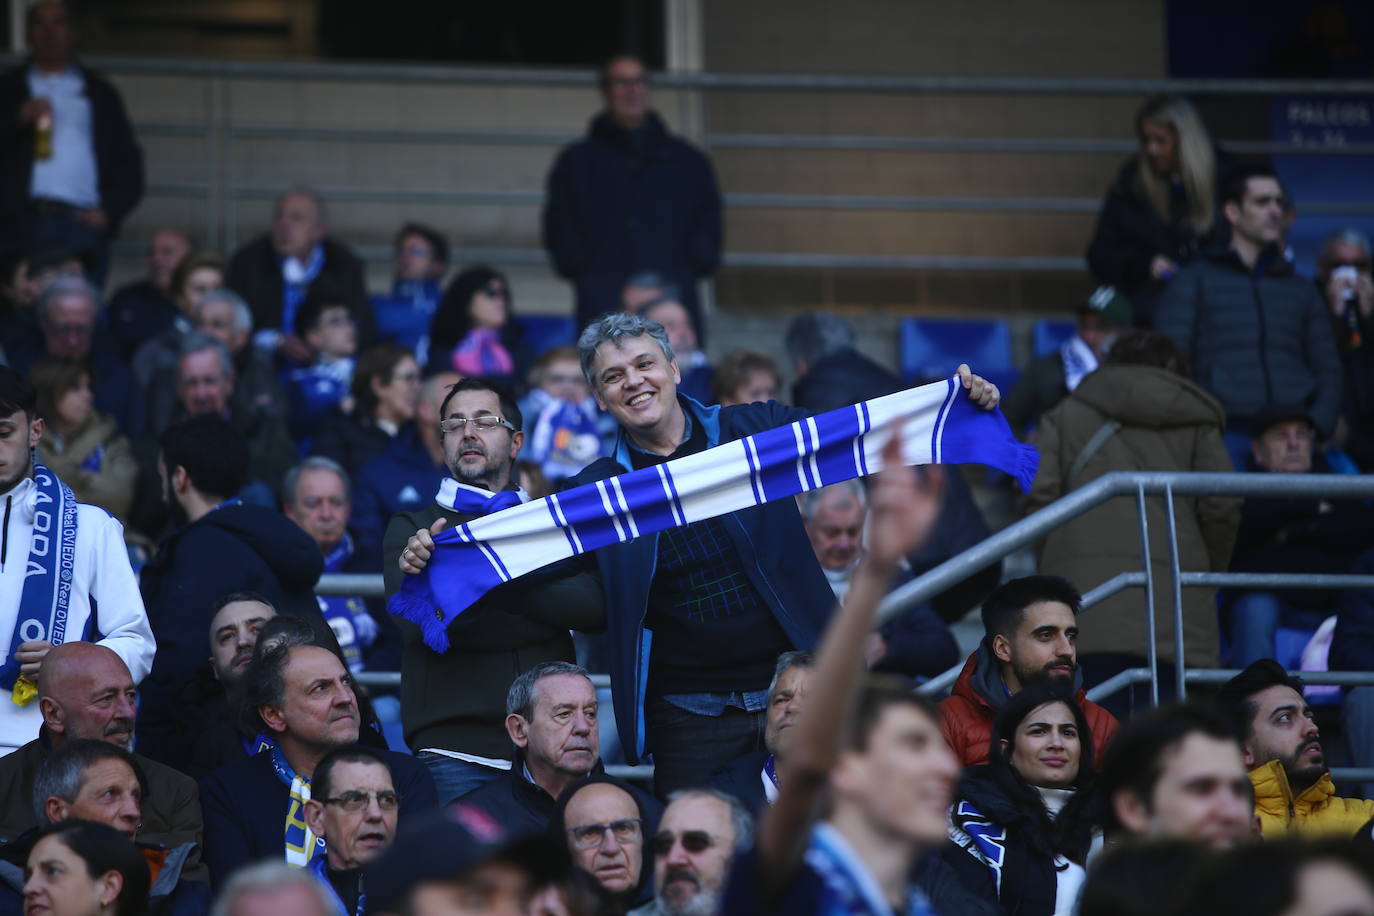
{"x": 940, "y": 425}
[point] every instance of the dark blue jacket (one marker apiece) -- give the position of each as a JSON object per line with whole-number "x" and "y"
{"x": 617, "y": 205}
{"x": 1352, "y": 645}
{"x": 743, "y": 778}
{"x": 234, "y": 548}
{"x": 769, "y": 540}
{"x": 401, "y": 479}
{"x": 245, "y": 807}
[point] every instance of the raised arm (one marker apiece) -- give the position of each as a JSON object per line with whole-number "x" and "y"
{"x": 902, "y": 514}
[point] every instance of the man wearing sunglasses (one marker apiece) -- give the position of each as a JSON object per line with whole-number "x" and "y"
{"x": 453, "y": 704}
{"x": 698, "y": 836}
{"x": 354, "y": 806}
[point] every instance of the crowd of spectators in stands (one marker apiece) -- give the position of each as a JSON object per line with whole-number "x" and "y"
{"x": 187, "y": 731}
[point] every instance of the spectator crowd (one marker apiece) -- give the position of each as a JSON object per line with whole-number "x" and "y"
{"x": 194, "y": 726}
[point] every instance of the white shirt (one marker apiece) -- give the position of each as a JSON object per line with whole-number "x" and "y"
{"x": 70, "y": 175}
{"x": 101, "y": 573}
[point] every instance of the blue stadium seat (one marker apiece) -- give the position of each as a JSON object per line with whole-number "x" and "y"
{"x": 1049, "y": 335}
{"x": 932, "y": 348}
{"x": 544, "y": 332}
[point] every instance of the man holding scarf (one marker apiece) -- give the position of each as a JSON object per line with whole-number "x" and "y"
{"x": 453, "y": 702}
{"x": 698, "y": 613}
{"x": 59, "y": 561}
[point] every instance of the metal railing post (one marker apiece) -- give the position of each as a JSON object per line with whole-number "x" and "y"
{"x": 1175, "y": 580}
{"x": 1151, "y": 650}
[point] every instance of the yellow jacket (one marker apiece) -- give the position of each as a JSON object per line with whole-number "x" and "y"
{"x": 1316, "y": 812}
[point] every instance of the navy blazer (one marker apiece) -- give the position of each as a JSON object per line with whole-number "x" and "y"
{"x": 244, "y": 805}
{"x": 769, "y": 540}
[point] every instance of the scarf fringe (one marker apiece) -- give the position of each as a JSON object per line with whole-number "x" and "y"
{"x": 417, "y": 604}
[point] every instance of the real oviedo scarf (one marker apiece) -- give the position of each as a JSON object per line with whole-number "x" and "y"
{"x": 940, "y": 425}
{"x": 44, "y": 606}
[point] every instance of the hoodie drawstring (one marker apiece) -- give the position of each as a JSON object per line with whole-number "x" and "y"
{"x": 5, "y": 534}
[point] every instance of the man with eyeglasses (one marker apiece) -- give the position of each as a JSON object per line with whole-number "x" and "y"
{"x": 631, "y": 197}
{"x": 453, "y": 704}
{"x": 354, "y": 806}
{"x": 606, "y": 822}
{"x": 256, "y": 808}
{"x": 698, "y": 836}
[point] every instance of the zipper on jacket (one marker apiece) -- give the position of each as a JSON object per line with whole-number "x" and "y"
{"x": 1263, "y": 339}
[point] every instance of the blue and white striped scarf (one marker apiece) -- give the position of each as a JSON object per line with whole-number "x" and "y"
{"x": 940, "y": 425}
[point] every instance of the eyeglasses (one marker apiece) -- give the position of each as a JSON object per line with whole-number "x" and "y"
{"x": 693, "y": 841}
{"x": 485, "y": 423}
{"x": 407, "y": 377}
{"x": 357, "y": 801}
{"x": 495, "y": 291}
{"x": 589, "y": 835}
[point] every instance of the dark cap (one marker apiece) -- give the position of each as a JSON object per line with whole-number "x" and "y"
{"x": 1275, "y": 414}
{"x": 1111, "y": 304}
{"x": 447, "y": 844}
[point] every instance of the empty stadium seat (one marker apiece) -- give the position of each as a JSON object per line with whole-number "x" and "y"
{"x": 544, "y": 332}
{"x": 1049, "y": 335}
{"x": 933, "y": 348}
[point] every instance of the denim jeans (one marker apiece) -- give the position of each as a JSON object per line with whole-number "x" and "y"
{"x": 1357, "y": 718}
{"x": 60, "y": 229}
{"x": 1255, "y": 618}
{"x": 688, "y": 747}
{"x": 455, "y": 778}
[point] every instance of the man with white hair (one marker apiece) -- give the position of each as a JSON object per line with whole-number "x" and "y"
{"x": 275, "y": 271}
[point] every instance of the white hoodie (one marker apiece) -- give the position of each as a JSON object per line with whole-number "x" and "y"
{"x": 102, "y": 576}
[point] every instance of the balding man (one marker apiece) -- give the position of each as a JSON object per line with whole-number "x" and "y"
{"x": 85, "y": 691}
{"x": 275, "y": 271}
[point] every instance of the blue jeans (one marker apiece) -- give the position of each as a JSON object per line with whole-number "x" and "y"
{"x": 51, "y": 229}
{"x": 687, "y": 748}
{"x": 455, "y": 778}
{"x": 1255, "y": 618}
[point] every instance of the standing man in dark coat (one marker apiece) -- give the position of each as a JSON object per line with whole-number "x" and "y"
{"x": 631, "y": 197}
{"x": 70, "y": 169}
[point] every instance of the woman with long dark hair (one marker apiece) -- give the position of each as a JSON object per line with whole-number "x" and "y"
{"x": 474, "y": 331}
{"x": 1025, "y": 823}
{"x": 1163, "y": 207}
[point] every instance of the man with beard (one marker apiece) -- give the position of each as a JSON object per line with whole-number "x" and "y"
{"x": 47, "y": 539}
{"x": 1282, "y": 748}
{"x": 453, "y": 704}
{"x": 86, "y": 692}
{"x": 698, "y": 836}
{"x": 1030, "y": 629}
{"x": 220, "y": 546}
{"x": 255, "y": 808}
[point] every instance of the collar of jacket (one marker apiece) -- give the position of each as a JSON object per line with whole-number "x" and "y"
{"x": 605, "y": 129}
{"x": 986, "y": 678}
{"x": 1274, "y": 795}
{"x": 1271, "y": 261}
{"x": 708, "y": 417}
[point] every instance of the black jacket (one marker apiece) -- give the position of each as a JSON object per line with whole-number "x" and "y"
{"x": 245, "y": 807}
{"x": 1023, "y": 880}
{"x": 618, "y": 204}
{"x": 354, "y": 439}
{"x": 1352, "y": 645}
{"x": 841, "y": 378}
{"x": 119, "y": 161}
{"x": 457, "y": 700}
{"x": 743, "y": 778}
{"x": 255, "y": 274}
{"x": 1254, "y": 337}
{"x": 235, "y": 548}
{"x": 514, "y": 802}
{"x": 1130, "y": 233}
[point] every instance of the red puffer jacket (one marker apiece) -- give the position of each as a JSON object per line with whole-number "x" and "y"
{"x": 966, "y": 714}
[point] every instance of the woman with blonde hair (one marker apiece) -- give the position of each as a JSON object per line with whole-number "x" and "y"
{"x": 1163, "y": 207}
